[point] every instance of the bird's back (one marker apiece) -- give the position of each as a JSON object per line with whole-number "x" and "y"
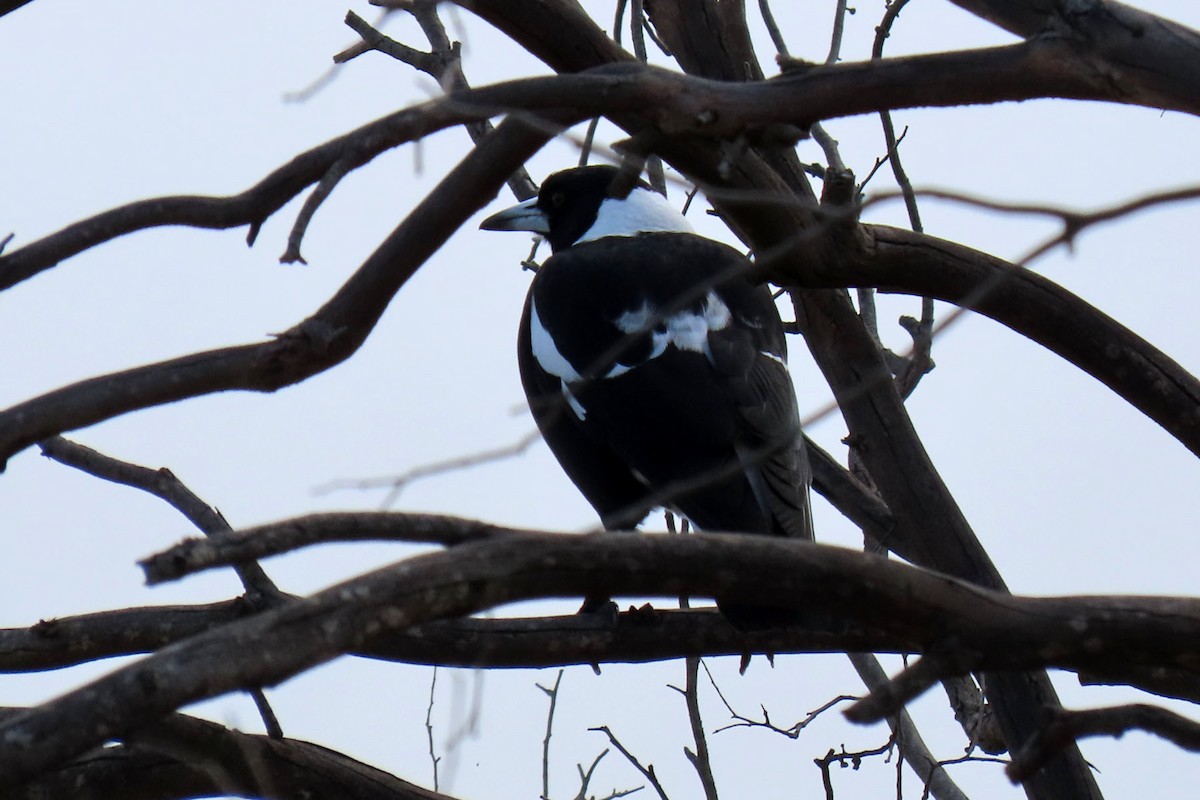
{"x": 667, "y": 383}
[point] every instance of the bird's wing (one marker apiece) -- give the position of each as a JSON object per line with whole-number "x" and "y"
{"x": 675, "y": 363}
{"x": 603, "y": 478}
{"x": 750, "y": 358}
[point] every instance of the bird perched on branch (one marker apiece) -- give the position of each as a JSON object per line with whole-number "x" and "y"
{"x": 656, "y": 368}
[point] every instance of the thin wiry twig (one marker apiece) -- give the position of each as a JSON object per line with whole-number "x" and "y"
{"x": 659, "y": 43}
{"x": 913, "y": 748}
{"x": 879, "y": 162}
{"x": 585, "y": 776}
{"x": 839, "y": 28}
{"x": 919, "y": 362}
{"x": 840, "y": 758}
{"x": 647, "y": 771}
{"x": 589, "y": 138}
{"x": 553, "y": 695}
{"x": 398, "y": 483}
{"x": 940, "y": 767}
{"x": 1074, "y": 223}
{"x": 443, "y": 63}
{"x": 327, "y": 77}
{"x": 637, "y": 20}
{"x": 882, "y": 32}
{"x": 585, "y": 779}
{"x": 433, "y": 757}
{"x": 828, "y": 144}
{"x": 791, "y": 732}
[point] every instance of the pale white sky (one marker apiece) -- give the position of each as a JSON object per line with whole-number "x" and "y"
{"x": 1070, "y": 490}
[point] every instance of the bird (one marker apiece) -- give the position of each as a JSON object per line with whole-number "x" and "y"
{"x": 655, "y": 366}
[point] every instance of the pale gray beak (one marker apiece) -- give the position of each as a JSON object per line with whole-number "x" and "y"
{"x": 523, "y": 217}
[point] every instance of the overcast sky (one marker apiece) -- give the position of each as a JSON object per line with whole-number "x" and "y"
{"x": 1070, "y": 489}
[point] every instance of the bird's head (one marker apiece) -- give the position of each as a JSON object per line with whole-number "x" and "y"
{"x": 587, "y": 203}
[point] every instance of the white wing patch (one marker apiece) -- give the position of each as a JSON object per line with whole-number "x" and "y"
{"x": 546, "y": 352}
{"x": 643, "y": 211}
{"x": 554, "y": 362}
{"x": 686, "y": 330}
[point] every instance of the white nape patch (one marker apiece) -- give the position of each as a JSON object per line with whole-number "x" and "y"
{"x": 685, "y": 330}
{"x": 643, "y": 211}
{"x": 546, "y": 352}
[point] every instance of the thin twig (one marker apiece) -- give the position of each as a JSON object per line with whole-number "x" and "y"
{"x": 443, "y": 63}
{"x": 919, "y": 361}
{"x": 398, "y": 483}
{"x": 433, "y": 757}
{"x": 913, "y": 750}
{"x": 791, "y": 732}
{"x": 940, "y": 768}
{"x": 700, "y": 759}
{"x": 326, "y": 78}
{"x": 320, "y": 193}
{"x": 270, "y": 721}
{"x": 764, "y": 7}
{"x": 636, "y": 32}
{"x": 637, "y": 28}
{"x": 585, "y": 779}
{"x": 163, "y": 484}
{"x": 647, "y": 770}
{"x": 617, "y": 20}
{"x": 855, "y": 760}
{"x": 589, "y": 139}
{"x": 839, "y": 27}
{"x": 879, "y": 162}
{"x": 553, "y": 695}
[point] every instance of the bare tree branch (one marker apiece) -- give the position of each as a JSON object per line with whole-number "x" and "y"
{"x": 183, "y": 756}
{"x": 646, "y": 770}
{"x": 1039, "y": 309}
{"x": 331, "y": 335}
{"x": 958, "y": 620}
{"x": 161, "y": 483}
{"x": 1144, "y": 54}
{"x": 914, "y": 751}
{"x": 1069, "y": 726}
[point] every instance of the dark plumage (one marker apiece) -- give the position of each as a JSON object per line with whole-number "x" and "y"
{"x": 655, "y": 368}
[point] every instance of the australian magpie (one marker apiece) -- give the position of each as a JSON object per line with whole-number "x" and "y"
{"x": 656, "y": 368}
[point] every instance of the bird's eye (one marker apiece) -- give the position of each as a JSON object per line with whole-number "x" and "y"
{"x": 558, "y": 199}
